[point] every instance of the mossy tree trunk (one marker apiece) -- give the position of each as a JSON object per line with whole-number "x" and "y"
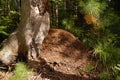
{"x": 32, "y": 30}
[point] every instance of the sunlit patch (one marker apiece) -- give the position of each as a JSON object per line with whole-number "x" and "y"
{"x": 5, "y": 57}
{"x": 90, "y": 19}
{"x": 36, "y": 10}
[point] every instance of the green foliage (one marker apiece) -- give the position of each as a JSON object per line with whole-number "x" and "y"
{"x": 109, "y": 55}
{"x": 78, "y": 32}
{"x": 89, "y": 38}
{"x": 86, "y": 69}
{"x": 14, "y": 5}
{"x": 89, "y": 67}
{"x": 111, "y": 75}
{"x": 109, "y": 18}
{"x": 92, "y": 7}
{"x": 57, "y": 1}
{"x": 106, "y": 49}
{"x": 105, "y": 41}
{"x": 68, "y": 22}
{"x": 21, "y": 72}
{"x": 2, "y": 30}
{"x": 104, "y": 76}
{"x": 70, "y": 15}
{"x": 9, "y": 17}
{"x": 116, "y": 70}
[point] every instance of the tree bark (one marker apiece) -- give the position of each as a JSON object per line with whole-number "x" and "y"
{"x": 32, "y": 30}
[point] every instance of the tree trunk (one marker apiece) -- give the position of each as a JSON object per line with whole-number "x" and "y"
{"x": 32, "y": 30}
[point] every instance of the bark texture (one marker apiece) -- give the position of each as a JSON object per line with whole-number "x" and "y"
{"x": 32, "y": 30}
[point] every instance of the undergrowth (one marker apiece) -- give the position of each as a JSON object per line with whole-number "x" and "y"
{"x": 21, "y": 72}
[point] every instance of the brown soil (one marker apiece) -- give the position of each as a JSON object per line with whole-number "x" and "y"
{"x": 63, "y": 57}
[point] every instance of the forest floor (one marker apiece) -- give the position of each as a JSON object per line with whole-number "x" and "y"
{"x": 63, "y": 57}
